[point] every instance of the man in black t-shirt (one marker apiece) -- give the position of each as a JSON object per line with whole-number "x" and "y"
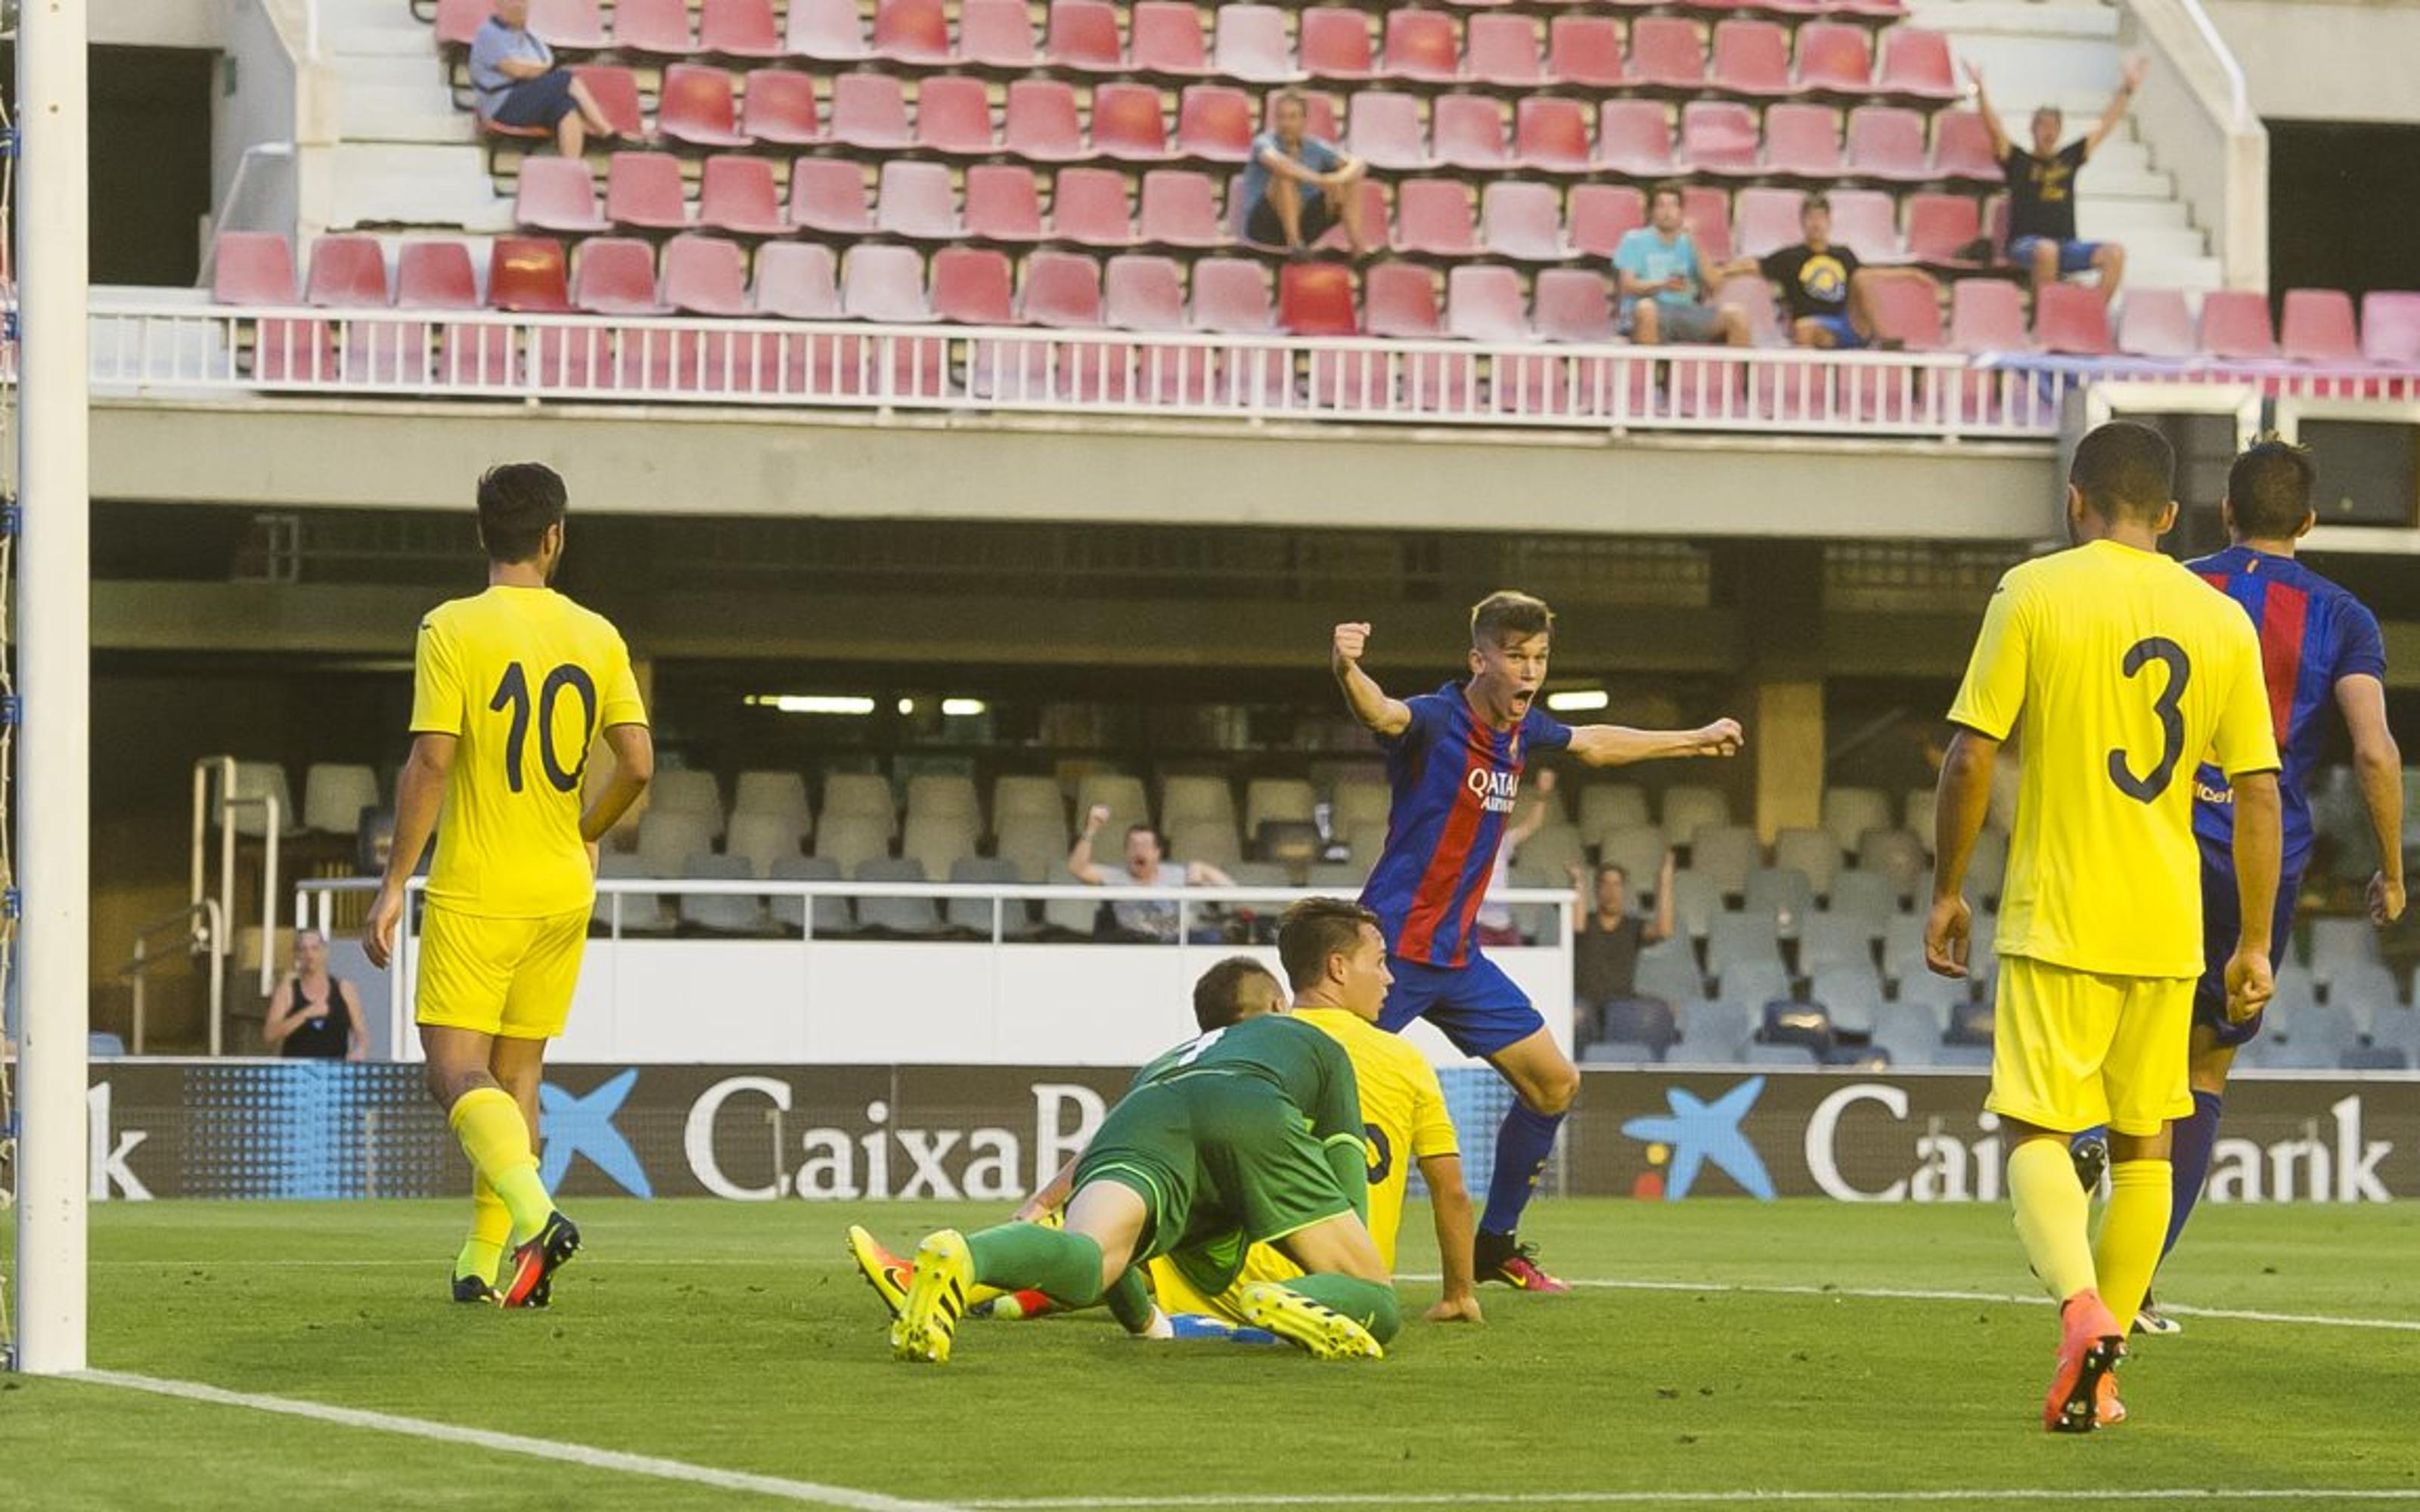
{"x": 2041, "y": 187}
{"x": 1607, "y": 936}
{"x": 1827, "y": 291}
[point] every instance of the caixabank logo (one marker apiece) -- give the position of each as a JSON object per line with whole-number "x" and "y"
{"x": 1696, "y": 1133}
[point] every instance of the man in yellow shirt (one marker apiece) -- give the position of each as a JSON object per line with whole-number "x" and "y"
{"x": 510, "y": 690}
{"x": 2125, "y": 670}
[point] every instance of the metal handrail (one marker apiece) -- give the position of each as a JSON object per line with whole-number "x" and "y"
{"x": 210, "y": 938}
{"x": 2238, "y": 93}
{"x": 274, "y": 824}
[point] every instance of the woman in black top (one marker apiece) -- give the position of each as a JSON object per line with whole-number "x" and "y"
{"x": 312, "y": 1014}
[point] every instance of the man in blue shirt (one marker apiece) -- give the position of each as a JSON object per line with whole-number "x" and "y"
{"x": 1666, "y": 283}
{"x": 1297, "y": 186}
{"x": 517, "y": 83}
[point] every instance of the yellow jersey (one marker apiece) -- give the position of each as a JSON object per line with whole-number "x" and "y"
{"x": 524, "y": 679}
{"x": 2127, "y": 671}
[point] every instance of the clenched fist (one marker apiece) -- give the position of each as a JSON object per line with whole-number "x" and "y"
{"x": 1723, "y": 737}
{"x": 1351, "y": 641}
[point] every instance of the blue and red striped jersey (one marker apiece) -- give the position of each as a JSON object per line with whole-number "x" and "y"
{"x": 2313, "y": 634}
{"x": 1456, "y": 780}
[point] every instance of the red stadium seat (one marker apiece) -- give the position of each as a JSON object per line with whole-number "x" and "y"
{"x": 1551, "y": 133}
{"x": 1083, "y": 35}
{"x": 1502, "y": 50}
{"x": 1252, "y": 44}
{"x": 870, "y": 110}
{"x": 1961, "y": 148}
{"x": 1802, "y": 142}
{"x": 1768, "y": 219}
{"x": 1385, "y": 132}
{"x": 917, "y": 201}
{"x": 1574, "y": 306}
{"x": 1635, "y": 137}
{"x": 885, "y": 285}
{"x": 705, "y": 275}
{"x": 911, "y": 31}
{"x": 1751, "y": 57}
{"x": 557, "y": 194}
{"x": 350, "y": 272}
{"x": 435, "y": 275}
{"x": 1886, "y": 142}
{"x": 615, "y": 275}
{"x": 1420, "y": 45}
{"x": 1866, "y": 221}
{"x": 2073, "y": 321}
{"x": 658, "y": 28}
{"x": 1041, "y": 124}
{"x": 970, "y": 286}
{"x": 998, "y": 34}
{"x": 1127, "y": 123}
{"x": 1088, "y": 206}
{"x": 526, "y": 275}
{"x": 1719, "y": 136}
{"x": 1376, "y": 224}
{"x": 1602, "y": 215}
{"x": 1144, "y": 293}
{"x": 1585, "y": 50}
{"x": 780, "y": 108}
{"x": 1836, "y": 57}
{"x": 1908, "y": 312}
{"x": 1315, "y": 299}
{"x": 1433, "y": 218}
{"x": 827, "y": 31}
{"x": 459, "y": 23}
{"x": 565, "y": 25}
{"x": 1916, "y": 66}
{"x": 1231, "y": 296}
{"x": 738, "y": 29}
{"x": 1336, "y": 44}
{"x": 1062, "y": 289}
{"x": 1400, "y": 299}
{"x": 2158, "y": 324}
{"x": 1168, "y": 40}
{"x": 1180, "y": 209}
{"x": 1214, "y": 123}
{"x": 2235, "y": 325}
{"x": 1941, "y": 228}
{"x": 643, "y": 191}
{"x": 1484, "y": 304}
{"x": 1469, "y": 132}
{"x": 2390, "y": 328}
{"x": 1706, "y": 211}
{"x": 1987, "y": 315}
{"x": 740, "y": 196}
{"x": 616, "y": 93}
{"x": 798, "y": 281}
{"x": 828, "y": 195}
{"x": 2317, "y": 326}
{"x": 696, "y": 107}
{"x": 1003, "y": 204}
{"x": 1523, "y": 221}
{"x": 953, "y": 115}
{"x": 1666, "y": 54}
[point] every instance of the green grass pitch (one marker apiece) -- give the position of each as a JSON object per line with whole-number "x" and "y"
{"x": 736, "y": 1337}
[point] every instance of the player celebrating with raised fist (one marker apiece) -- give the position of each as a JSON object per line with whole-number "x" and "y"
{"x": 1455, "y": 758}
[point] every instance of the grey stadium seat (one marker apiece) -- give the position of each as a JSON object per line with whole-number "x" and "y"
{"x": 1359, "y": 803}
{"x": 1639, "y": 850}
{"x": 1028, "y": 798}
{"x": 1037, "y": 848}
{"x": 1785, "y": 893}
{"x": 1204, "y": 839}
{"x": 334, "y": 795}
{"x": 643, "y": 913}
{"x": 1848, "y": 812}
{"x": 1267, "y": 798}
{"x": 1865, "y": 895}
{"x": 939, "y": 841}
{"x": 831, "y": 915}
{"x": 1185, "y": 800}
{"x": 1690, "y": 805}
{"x": 974, "y": 915}
{"x": 677, "y": 790}
{"x": 762, "y": 837}
{"x": 1618, "y": 1053}
{"x": 1896, "y": 854}
{"x": 913, "y": 917}
{"x": 1716, "y": 1033}
{"x": 850, "y": 840}
{"x": 721, "y": 913}
{"x": 1851, "y": 994}
{"x": 669, "y": 837}
{"x": 1939, "y": 995}
{"x": 1780, "y": 1057}
{"x": 1553, "y": 851}
{"x": 1810, "y": 852}
{"x": 2336, "y": 943}
{"x": 1987, "y": 866}
{"x": 1606, "y": 806}
{"x": 933, "y": 794}
{"x": 1670, "y": 971}
{"x": 1727, "y": 853}
{"x": 859, "y": 795}
{"x": 1742, "y": 938}
{"x": 1536, "y": 922}
{"x": 1696, "y": 902}
{"x": 1828, "y": 940}
{"x": 771, "y": 793}
{"x": 1751, "y": 984}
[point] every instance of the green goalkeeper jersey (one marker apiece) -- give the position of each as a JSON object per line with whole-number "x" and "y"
{"x": 1308, "y": 1068}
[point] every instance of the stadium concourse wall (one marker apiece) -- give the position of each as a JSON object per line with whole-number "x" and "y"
{"x": 256, "y": 1130}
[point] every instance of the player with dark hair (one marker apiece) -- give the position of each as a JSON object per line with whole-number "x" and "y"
{"x": 2121, "y": 665}
{"x": 510, "y": 689}
{"x": 2318, "y": 646}
{"x": 1455, "y": 758}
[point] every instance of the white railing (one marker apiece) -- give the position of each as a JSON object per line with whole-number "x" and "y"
{"x": 2196, "y": 112}
{"x": 224, "y": 802}
{"x": 147, "y": 346}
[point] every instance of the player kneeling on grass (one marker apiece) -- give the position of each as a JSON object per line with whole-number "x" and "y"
{"x": 1248, "y": 1134}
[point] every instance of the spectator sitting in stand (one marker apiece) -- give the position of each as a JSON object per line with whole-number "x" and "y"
{"x": 1829, "y": 294}
{"x": 1666, "y": 284}
{"x": 1609, "y": 937}
{"x": 1146, "y": 866}
{"x": 519, "y": 84}
{"x": 1295, "y": 186}
{"x": 2041, "y": 189}
{"x": 313, "y": 1016}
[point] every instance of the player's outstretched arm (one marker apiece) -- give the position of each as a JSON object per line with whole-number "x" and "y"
{"x": 2378, "y": 764}
{"x": 634, "y": 766}
{"x": 1449, "y": 1204}
{"x": 419, "y": 792}
{"x": 1959, "y": 809}
{"x": 1613, "y": 744}
{"x": 2259, "y": 849}
{"x": 1362, "y": 695}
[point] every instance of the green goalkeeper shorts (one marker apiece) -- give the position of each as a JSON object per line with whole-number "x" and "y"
{"x": 1222, "y": 1162}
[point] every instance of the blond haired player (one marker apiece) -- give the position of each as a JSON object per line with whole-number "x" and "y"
{"x": 2125, "y": 670}
{"x": 510, "y": 689}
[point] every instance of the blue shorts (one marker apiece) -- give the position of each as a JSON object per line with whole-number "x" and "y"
{"x": 2073, "y": 256}
{"x": 1480, "y": 1009}
{"x": 539, "y": 101}
{"x": 1843, "y": 329}
{"x": 2220, "y": 921}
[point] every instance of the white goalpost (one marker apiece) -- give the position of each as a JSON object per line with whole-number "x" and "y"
{"x": 54, "y": 682}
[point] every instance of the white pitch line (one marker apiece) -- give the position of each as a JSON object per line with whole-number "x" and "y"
{"x": 809, "y": 1492}
{"x": 1723, "y": 1498}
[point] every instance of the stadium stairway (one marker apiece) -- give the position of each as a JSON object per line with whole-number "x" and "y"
{"x": 406, "y": 157}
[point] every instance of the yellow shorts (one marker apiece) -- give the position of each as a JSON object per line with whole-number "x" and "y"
{"x": 510, "y": 977}
{"x": 1178, "y": 1295}
{"x": 2072, "y": 1049}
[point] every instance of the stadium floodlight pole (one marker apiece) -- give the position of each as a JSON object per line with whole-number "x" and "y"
{"x": 54, "y": 683}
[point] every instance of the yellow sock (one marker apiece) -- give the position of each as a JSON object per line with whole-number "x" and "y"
{"x": 2053, "y": 1216}
{"x": 491, "y": 1224}
{"x": 2141, "y": 1193}
{"x": 496, "y": 1138}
